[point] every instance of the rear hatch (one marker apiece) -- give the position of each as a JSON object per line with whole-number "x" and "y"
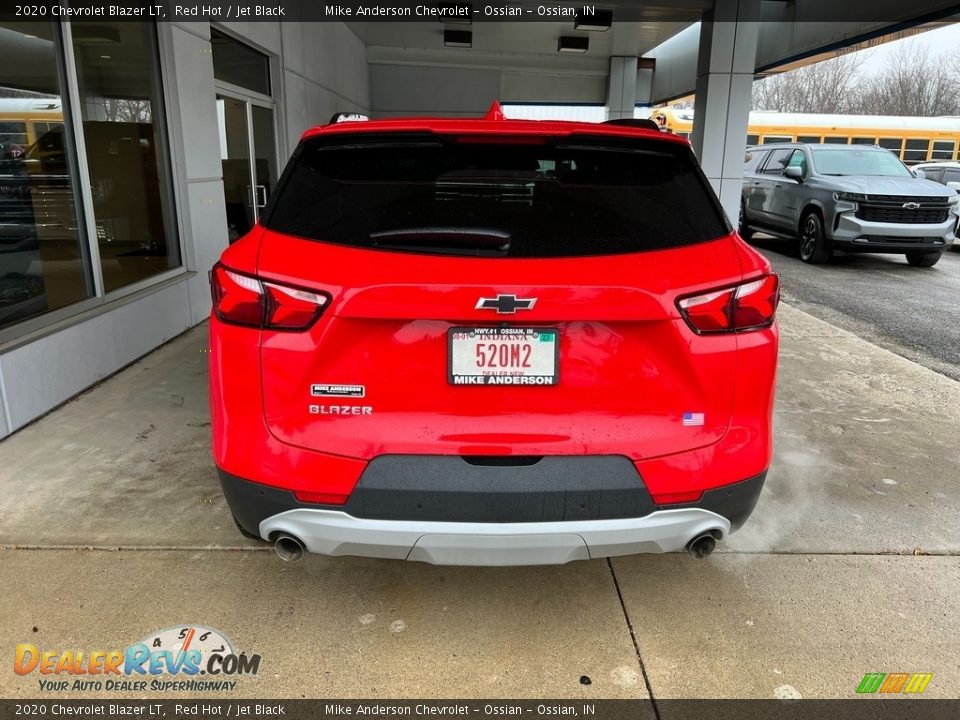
{"x": 495, "y": 297}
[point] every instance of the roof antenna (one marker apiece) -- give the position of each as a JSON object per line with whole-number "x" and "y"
{"x": 495, "y": 112}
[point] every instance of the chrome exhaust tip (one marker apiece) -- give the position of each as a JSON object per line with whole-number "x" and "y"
{"x": 702, "y": 545}
{"x": 288, "y": 548}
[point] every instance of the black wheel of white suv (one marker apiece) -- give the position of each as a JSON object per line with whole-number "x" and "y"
{"x": 923, "y": 259}
{"x": 742, "y": 228}
{"x": 813, "y": 243}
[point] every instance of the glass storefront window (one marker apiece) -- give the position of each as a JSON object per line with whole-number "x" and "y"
{"x": 44, "y": 264}
{"x": 121, "y": 111}
{"x": 235, "y": 160}
{"x": 239, "y": 64}
{"x": 265, "y": 154}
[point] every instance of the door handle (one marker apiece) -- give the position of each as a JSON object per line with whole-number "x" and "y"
{"x": 261, "y": 198}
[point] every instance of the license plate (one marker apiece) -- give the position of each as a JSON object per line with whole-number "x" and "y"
{"x": 503, "y": 356}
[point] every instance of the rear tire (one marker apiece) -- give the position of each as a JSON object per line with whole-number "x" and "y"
{"x": 923, "y": 259}
{"x": 742, "y": 228}
{"x": 814, "y": 248}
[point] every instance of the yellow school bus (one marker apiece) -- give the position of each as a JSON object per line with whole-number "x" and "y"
{"x": 913, "y": 139}
{"x": 24, "y": 120}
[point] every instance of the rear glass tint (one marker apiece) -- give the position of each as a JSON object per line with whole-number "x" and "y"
{"x": 565, "y": 198}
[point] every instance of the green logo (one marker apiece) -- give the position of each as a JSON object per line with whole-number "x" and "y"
{"x": 894, "y": 683}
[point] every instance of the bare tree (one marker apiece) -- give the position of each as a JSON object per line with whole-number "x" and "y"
{"x": 823, "y": 87}
{"x": 127, "y": 110}
{"x": 913, "y": 82}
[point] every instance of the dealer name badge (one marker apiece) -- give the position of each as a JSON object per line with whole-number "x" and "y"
{"x": 328, "y": 390}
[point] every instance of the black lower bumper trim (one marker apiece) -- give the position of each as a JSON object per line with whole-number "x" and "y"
{"x": 449, "y": 488}
{"x": 251, "y": 502}
{"x": 452, "y": 489}
{"x": 735, "y": 502}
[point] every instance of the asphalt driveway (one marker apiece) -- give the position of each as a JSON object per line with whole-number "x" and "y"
{"x": 910, "y": 311}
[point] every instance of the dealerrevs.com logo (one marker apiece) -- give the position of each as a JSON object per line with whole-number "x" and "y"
{"x": 188, "y": 657}
{"x": 893, "y": 683}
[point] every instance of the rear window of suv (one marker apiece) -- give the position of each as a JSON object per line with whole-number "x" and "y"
{"x": 531, "y": 198}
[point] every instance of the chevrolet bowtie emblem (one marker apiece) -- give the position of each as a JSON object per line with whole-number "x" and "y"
{"x": 506, "y": 304}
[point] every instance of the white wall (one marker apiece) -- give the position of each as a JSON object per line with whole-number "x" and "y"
{"x": 320, "y": 69}
{"x": 420, "y": 90}
{"x": 398, "y": 89}
{"x": 195, "y": 145}
{"x": 325, "y": 72}
{"x": 40, "y": 375}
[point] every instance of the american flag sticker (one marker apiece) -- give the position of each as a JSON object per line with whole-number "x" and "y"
{"x": 691, "y": 419}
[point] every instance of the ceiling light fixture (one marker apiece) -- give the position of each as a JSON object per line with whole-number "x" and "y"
{"x": 597, "y": 21}
{"x": 573, "y": 44}
{"x": 458, "y": 38}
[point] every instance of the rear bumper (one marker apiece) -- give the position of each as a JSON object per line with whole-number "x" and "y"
{"x": 449, "y": 543}
{"x": 392, "y": 521}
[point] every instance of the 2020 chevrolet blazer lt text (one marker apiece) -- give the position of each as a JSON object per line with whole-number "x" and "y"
{"x": 491, "y": 342}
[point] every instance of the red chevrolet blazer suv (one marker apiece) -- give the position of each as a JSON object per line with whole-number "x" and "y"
{"x": 491, "y": 342}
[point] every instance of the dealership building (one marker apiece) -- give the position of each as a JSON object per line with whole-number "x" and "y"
{"x": 133, "y": 153}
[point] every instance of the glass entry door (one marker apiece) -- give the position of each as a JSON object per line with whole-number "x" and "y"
{"x": 248, "y": 155}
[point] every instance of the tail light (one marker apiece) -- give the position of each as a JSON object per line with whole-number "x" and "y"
{"x": 241, "y": 299}
{"x": 747, "y": 306}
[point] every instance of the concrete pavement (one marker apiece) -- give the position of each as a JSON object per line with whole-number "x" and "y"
{"x": 866, "y": 457}
{"x": 821, "y": 586}
{"x": 795, "y": 625}
{"x": 336, "y": 628}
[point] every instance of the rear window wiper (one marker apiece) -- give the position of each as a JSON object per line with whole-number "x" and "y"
{"x": 447, "y": 240}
